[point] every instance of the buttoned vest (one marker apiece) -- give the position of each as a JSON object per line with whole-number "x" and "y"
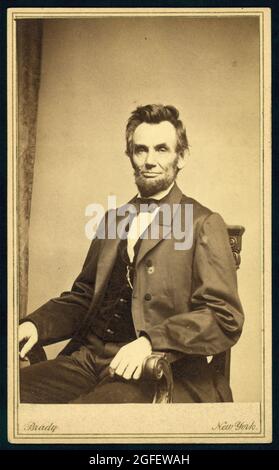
{"x": 113, "y": 322}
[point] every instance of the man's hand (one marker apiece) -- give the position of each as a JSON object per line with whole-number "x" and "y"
{"x": 128, "y": 362}
{"x": 27, "y": 331}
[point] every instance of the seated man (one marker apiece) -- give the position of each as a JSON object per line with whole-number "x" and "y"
{"x": 140, "y": 292}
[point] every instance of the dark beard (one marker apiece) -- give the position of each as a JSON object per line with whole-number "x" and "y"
{"x": 149, "y": 188}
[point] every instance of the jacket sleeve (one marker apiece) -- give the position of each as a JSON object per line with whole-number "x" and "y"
{"x": 59, "y": 318}
{"x": 214, "y": 322}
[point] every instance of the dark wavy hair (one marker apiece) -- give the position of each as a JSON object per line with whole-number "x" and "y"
{"x": 154, "y": 114}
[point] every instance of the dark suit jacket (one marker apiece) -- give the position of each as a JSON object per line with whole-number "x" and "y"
{"x": 187, "y": 302}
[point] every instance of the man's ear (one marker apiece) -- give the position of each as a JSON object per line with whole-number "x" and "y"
{"x": 181, "y": 161}
{"x": 131, "y": 161}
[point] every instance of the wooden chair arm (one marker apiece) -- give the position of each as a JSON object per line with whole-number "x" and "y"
{"x": 235, "y": 233}
{"x": 158, "y": 369}
{"x": 36, "y": 354}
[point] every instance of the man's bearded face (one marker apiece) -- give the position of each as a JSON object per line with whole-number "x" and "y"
{"x": 154, "y": 158}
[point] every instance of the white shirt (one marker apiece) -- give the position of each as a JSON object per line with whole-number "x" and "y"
{"x": 141, "y": 222}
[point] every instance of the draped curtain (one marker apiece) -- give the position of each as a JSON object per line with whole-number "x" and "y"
{"x": 29, "y": 45}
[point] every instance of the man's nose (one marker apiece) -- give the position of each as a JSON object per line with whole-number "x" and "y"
{"x": 150, "y": 160}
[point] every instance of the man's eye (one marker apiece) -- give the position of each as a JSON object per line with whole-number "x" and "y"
{"x": 162, "y": 149}
{"x": 140, "y": 150}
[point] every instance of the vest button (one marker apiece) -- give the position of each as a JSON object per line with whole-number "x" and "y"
{"x": 149, "y": 263}
{"x": 123, "y": 301}
{"x": 117, "y": 316}
{"x": 109, "y": 331}
{"x": 147, "y": 297}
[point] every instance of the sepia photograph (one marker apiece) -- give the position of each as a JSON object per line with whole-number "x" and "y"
{"x": 139, "y": 183}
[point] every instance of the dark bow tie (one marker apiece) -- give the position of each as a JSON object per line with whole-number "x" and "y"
{"x": 145, "y": 204}
{"x": 147, "y": 200}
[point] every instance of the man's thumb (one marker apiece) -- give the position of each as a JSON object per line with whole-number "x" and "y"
{"x": 27, "y": 347}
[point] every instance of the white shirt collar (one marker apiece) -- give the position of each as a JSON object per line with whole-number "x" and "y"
{"x": 161, "y": 194}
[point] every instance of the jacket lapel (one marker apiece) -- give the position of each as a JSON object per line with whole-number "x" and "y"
{"x": 115, "y": 227}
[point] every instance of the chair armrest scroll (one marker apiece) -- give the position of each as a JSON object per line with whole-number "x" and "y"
{"x": 158, "y": 369}
{"x": 36, "y": 354}
{"x": 235, "y": 233}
